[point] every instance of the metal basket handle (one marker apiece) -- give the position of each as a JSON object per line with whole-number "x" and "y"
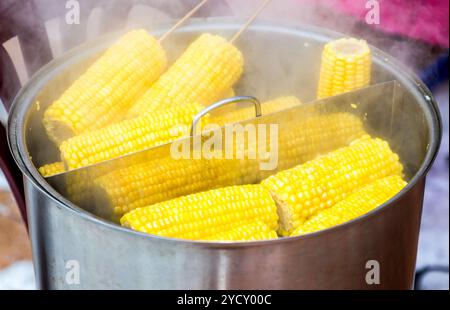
{"x": 222, "y": 103}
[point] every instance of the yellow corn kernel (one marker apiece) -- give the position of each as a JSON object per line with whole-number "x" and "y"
{"x": 127, "y": 137}
{"x": 146, "y": 183}
{"x": 255, "y": 231}
{"x": 52, "y": 169}
{"x": 198, "y": 216}
{"x": 361, "y": 202}
{"x": 206, "y": 70}
{"x": 305, "y": 190}
{"x": 346, "y": 66}
{"x": 153, "y": 181}
{"x": 309, "y": 137}
{"x": 108, "y": 88}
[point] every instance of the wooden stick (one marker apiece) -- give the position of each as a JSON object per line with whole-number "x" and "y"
{"x": 182, "y": 21}
{"x": 250, "y": 21}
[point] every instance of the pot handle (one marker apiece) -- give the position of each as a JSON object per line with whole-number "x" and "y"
{"x": 12, "y": 173}
{"x": 256, "y": 103}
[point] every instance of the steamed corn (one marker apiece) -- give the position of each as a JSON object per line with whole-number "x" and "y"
{"x": 147, "y": 183}
{"x": 51, "y": 169}
{"x": 108, "y": 88}
{"x": 311, "y": 136}
{"x": 153, "y": 181}
{"x": 346, "y": 66}
{"x": 361, "y": 202}
{"x": 204, "y": 215}
{"x": 128, "y": 136}
{"x": 206, "y": 70}
{"x": 305, "y": 190}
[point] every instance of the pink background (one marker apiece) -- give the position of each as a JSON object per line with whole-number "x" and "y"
{"x": 426, "y": 20}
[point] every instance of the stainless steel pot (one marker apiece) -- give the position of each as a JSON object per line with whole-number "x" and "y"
{"x": 66, "y": 239}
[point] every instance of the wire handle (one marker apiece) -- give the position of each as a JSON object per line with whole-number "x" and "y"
{"x": 183, "y": 20}
{"x": 250, "y": 21}
{"x": 222, "y": 103}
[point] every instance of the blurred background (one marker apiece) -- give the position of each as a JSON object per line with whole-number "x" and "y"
{"x": 32, "y": 32}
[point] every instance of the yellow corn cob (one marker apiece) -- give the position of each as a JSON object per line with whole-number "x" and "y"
{"x": 108, "y": 88}
{"x": 361, "y": 202}
{"x": 246, "y": 171}
{"x": 301, "y": 140}
{"x": 198, "y": 216}
{"x": 153, "y": 181}
{"x": 147, "y": 183}
{"x": 346, "y": 66}
{"x": 127, "y": 137}
{"x": 51, "y": 169}
{"x": 206, "y": 70}
{"x": 242, "y": 114}
{"x": 311, "y": 136}
{"x": 279, "y": 104}
{"x": 250, "y": 232}
{"x": 305, "y": 190}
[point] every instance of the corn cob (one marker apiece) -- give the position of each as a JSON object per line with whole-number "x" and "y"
{"x": 307, "y": 189}
{"x": 108, "y": 88}
{"x": 311, "y": 136}
{"x": 279, "y": 104}
{"x": 346, "y": 66}
{"x": 250, "y": 232}
{"x": 361, "y": 202}
{"x": 162, "y": 179}
{"x": 147, "y": 183}
{"x": 198, "y": 216}
{"x": 245, "y": 171}
{"x": 299, "y": 140}
{"x": 51, "y": 169}
{"x": 127, "y": 137}
{"x": 207, "y": 69}
{"x": 150, "y": 182}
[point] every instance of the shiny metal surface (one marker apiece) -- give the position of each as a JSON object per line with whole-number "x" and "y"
{"x": 109, "y": 256}
{"x": 225, "y": 102}
{"x": 118, "y": 259}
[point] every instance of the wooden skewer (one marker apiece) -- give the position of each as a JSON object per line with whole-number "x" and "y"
{"x": 250, "y": 21}
{"x": 182, "y": 21}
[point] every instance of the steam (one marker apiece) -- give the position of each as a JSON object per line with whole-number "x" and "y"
{"x": 102, "y": 16}
{"x": 98, "y": 17}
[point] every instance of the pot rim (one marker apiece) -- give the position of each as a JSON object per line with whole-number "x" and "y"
{"x": 19, "y": 111}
